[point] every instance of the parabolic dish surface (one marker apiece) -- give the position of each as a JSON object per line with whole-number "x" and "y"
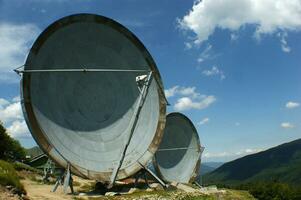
{"x": 178, "y": 156}
{"x": 85, "y": 118}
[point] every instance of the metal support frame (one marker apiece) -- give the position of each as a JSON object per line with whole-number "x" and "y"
{"x": 20, "y": 71}
{"x": 175, "y": 149}
{"x": 197, "y": 184}
{"x": 78, "y": 70}
{"x": 65, "y": 179}
{"x": 49, "y": 169}
{"x": 142, "y": 97}
{"x": 138, "y": 175}
{"x": 154, "y": 175}
{"x": 141, "y": 101}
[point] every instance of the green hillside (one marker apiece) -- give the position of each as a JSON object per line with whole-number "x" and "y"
{"x": 281, "y": 163}
{"x": 204, "y": 169}
{"x": 207, "y": 167}
{"x": 34, "y": 151}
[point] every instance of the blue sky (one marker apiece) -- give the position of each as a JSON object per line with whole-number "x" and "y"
{"x": 233, "y": 67}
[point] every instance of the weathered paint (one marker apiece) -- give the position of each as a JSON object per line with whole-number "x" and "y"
{"x": 83, "y": 118}
{"x": 179, "y": 155}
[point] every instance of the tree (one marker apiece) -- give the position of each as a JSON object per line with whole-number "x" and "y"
{"x": 10, "y": 149}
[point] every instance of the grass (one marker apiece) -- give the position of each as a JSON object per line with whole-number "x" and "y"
{"x": 176, "y": 195}
{"x": 9, "y": 176}
{"x": 21, "y": 166}
{"x": 86, "y": 187}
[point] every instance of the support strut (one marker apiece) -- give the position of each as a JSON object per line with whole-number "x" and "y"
{"x": 141, "y": 101}
{"x": 64, "y": 179}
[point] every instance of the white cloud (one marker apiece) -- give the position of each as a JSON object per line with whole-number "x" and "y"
{"x": 248, "y": 151}
{"x": 287, "y": 125}
{"x": 204, "y": 121}
{"x": 268, "y": 16}
{"x": 205, "y": 54}
{"x": 188, "y": 45}
{"x": 291, "y": 105}
{"x": 15, "y": 41}
{"x": 16, "y": 99}
{"x": 18, "y": 129}
{"x": 3, "y": 102}
{"x": 214, "y": 71}
{"x": 171, "y": 91}
{"x": 234, "y": 36}
{"x": 216, "y": 155}
{"x": 11, "y": 112}
{"x": 189, "y": 98}
{"x": 186, "y": 103}
{"x": 12, "y": 117}
{"x": 183, "y": 91}
{"x": 232, "y": 155}
{"x": 188, "y": 91}
{"x": 284, "y": 46}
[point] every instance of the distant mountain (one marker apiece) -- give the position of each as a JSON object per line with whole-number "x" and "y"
{"x": 214, "y": 164}
{"x": 207, "y": 167}
{"x": 34, "y": 152}
{"x": 281, "y": 163}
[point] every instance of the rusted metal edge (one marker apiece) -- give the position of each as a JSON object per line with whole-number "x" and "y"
{"x": 32, "y": 123}
{"x": 199, "y": 148}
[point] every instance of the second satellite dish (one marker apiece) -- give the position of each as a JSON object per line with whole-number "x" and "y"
{"x": 92, "y": 97}
{"x": 178, "y": 157}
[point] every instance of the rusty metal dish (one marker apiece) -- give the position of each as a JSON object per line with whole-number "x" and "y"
{"x": 179, "y": 155}
{"x": 79, "y": 113}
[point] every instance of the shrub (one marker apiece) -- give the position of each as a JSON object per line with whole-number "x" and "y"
{"x": 10, "y": 149}
{"x": 272, "y": 190}
{"x": 8, "y": 176}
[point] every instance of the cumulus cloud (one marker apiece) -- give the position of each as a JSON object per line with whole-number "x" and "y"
{"x": 216, "y": 155}
{"x": 186, "y": 103}
{"x": 189, "y": 98}
{"x": 18, "y": 129}
{"x": 15, "y": 41}
{"x": 171, "y": 91}
{"x": 287, "y": 125}
{"x": 291, "y": 105}
{"x": 214, "y": 71}
{"x": 267, "y": 16}
{"x": 12, "y": 117}
{"x": 10, "y": 112}
{"x": 3, "y": 102}
{"x": 248, "y": 151}
{"x": 204, "y": 121}
{"x": 183, "y": 91}
{"x": 232, "y": 155}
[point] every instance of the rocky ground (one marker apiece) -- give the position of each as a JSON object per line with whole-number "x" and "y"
{"x": 7, "y": 194}
{"x": 85, "y": 190}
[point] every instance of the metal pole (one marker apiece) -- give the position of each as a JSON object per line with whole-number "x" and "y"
{"x": 174, "y": 149}
{"x": 153, "y": 175}
{"x": 137, "y": 113}
{"x": 78, "y": 70}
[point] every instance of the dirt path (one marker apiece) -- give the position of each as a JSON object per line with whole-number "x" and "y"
{"x": 7, "y": 195}
{"x": 38, "y": 191}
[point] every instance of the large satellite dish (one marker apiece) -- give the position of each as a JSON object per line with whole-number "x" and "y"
{"x": 178, "y": 156}
{"x": 92, "y": 97}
